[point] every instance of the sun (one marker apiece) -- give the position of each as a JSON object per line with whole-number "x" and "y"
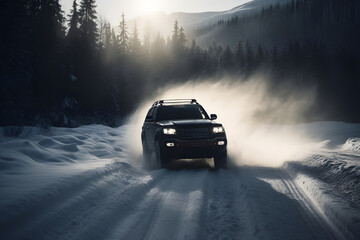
{"x": 150, "y": 6}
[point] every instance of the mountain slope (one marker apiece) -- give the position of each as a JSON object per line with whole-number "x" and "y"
{"x": 242, "y": 10}
{"x": 332, "y": 24}
{"x": 163, "y": 23}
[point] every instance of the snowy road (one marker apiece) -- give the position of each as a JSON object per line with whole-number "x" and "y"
{"x": 116, "y": 198}
{"x": 245, "y": 203}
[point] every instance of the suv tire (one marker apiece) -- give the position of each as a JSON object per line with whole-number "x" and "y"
{"x": 146, "y": 152}
{"x": 161, "y": 158}
{"x": 220, "y": 160}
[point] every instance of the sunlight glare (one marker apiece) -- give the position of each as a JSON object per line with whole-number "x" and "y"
{"x": 150, "y": 6}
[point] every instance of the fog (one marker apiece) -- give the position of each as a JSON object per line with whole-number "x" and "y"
{"x": 258, "y": 119}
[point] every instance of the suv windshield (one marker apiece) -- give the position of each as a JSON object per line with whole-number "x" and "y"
{"x": 181, "y": 112}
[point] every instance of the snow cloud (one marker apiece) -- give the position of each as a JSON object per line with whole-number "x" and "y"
{"x": 258, "y": 119}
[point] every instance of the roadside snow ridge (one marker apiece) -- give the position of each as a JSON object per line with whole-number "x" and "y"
{"x": 352, "y": 144}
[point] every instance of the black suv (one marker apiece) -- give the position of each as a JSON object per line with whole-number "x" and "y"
{"x": 181, "y": 129}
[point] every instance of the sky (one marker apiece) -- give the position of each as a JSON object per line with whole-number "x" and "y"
{"x": 111, "y": 10}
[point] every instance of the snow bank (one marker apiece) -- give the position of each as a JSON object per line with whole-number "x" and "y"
{"x": 352, "y": 144}
{"x": 331, "y": 178}
{"x": 37, "y": 164}
{"x": 342, "y": 216}
{"x": 61, "y": 146}
{"x": 341, "y": 171}
{"x": 332, "y": 182}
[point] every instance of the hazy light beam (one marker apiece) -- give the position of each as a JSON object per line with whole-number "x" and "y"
{"x": 111, "y": 9}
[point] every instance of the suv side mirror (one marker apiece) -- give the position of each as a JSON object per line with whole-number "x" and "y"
{"x": 149, "y": 119}
{"x": 213, "y": 116}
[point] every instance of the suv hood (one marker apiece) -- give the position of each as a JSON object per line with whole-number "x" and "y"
{"x": 188, "y": 122}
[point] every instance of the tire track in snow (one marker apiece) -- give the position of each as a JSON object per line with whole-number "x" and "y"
{"x": 170, "y": 210}
{"x": 30, "y": 210}
{"x": 192, "y": 220}
{"x": 223, "y": 216}
{"x": 273, "y": 208}
{"x": 98, "y": 221}
{"x": 134, "y": 226}
{"x": 179, "y": 206}
{"x": 75, "y": 210}
{"x": 128, "y": 203}
{"x": 316, "y": 221}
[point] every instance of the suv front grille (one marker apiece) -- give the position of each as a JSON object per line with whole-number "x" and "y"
{"x": 195, "y": 133}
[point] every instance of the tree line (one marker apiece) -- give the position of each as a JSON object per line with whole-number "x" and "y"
{"x": 79, "y": 69}
{"x": 62, "y": 68}
{"x": 314, "y": 41}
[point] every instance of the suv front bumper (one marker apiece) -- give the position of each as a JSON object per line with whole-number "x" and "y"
{"x": 183, "y": 149}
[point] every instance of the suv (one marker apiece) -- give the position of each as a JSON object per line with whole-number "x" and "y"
{"x": 181, "y": 129}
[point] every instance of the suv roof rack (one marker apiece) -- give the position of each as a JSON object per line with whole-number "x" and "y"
{"x": 174, "y": 101}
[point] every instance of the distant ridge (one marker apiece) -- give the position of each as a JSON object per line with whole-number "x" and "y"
{"x": 162, "y": 22}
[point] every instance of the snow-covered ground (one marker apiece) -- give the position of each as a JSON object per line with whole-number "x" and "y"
{"x": 91, "y": 183}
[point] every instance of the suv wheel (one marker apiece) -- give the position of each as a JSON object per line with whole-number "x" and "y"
{"x": 220, "y": 160}
{"x": 146, "y": 152}
{"x": 161, "y": 159}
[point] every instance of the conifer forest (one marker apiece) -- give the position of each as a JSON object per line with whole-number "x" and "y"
{"x": 72, "y": 69}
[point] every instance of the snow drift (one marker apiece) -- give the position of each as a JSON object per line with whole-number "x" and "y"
{"x": 352, "y": 144}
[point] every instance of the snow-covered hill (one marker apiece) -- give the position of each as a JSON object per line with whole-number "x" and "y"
{"x": 90, "y": 183}
{"x": 242, "y": 10}
{"x": 163, "y": 23}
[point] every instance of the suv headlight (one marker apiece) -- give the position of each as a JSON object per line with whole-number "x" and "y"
{"x": 218, "y": 129}
{"x": 169, "y": 131}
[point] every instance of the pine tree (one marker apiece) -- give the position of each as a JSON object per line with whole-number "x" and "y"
{"x": 107, "y": 41}
{"x": 88, "y": 26}
{"x": 102, "y": 23}
{"x": 73, "y": 38}
{"x": 13, "y": 19}
{"x": 74, "y": 22}
{"x": 196, "y": 61}
{"x": 90, "y": 86}
{"x": 182, "y": 39}
{"x": 175, "y": 36}
{"x": 15, "y": 62}
{"x": 260, "y": 55}
{"x": 135, "y": 43}
{"x": 193, "y": 46}
{"x": 249, "y": 56}
{"x": 158, "y": 46}
{"x": 48, "y": 47}
{"x": 274, "y": 56}
{"x": 123, "y": 37}
{"x": 147, "y": 40}
{"x": 227, "y": 59}
{"x": 239, "y": 55}
{"x": 114, "y": 41}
